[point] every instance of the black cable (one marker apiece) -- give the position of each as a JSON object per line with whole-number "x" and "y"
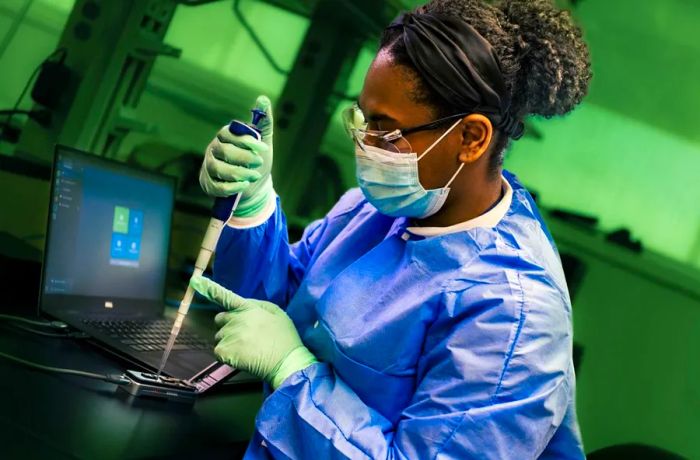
{"x": 112, "y": 378}
{"x": 14, "y": 110}
{"x": 54, "y": 324}
{"x": 67, "y": 335}
{"x": 266, "y": 53}
{"x": 254, "y": 36}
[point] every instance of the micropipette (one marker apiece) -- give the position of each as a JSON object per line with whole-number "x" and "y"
{"x": 221, "y": 212}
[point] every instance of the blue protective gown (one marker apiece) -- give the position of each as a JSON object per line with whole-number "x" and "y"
{"x": 453, "y": 346}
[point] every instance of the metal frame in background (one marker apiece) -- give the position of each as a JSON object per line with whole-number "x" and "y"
{"x": 316, "y": 84}
{"x": 111, "y": 48}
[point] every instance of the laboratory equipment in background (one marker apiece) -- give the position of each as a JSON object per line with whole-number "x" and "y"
{"x": 96, "y": 109}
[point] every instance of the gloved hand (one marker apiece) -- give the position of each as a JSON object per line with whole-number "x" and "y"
{"x": 255, "y": 336}
{"x": 241, "y": 164}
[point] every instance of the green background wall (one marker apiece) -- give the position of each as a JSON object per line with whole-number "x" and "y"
{"x": 629, "y": 155}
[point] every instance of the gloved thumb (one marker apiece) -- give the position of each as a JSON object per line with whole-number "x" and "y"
{"x": 217, "y": 293}
{"x": 265, "y": 126}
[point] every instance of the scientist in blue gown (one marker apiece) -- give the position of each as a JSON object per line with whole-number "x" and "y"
{"x": 426, "y": 315}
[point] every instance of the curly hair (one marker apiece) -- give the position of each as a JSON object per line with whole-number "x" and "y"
{"x": 544, "y": 60}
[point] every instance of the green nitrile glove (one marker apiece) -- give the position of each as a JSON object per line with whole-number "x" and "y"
{"x": 241, "y": 164}
{"x": 255, "y": 336}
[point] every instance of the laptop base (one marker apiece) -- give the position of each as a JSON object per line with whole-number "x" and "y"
{"x": 144, "y": 384}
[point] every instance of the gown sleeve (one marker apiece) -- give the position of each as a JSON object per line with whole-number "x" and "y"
{"x": 490, "y": 384}
{"x": 260, "y": 263}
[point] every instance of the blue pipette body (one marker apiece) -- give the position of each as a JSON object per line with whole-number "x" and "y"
{"x": 220, "y": 213}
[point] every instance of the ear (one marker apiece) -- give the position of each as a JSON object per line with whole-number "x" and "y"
{"x": 477, "y": 132}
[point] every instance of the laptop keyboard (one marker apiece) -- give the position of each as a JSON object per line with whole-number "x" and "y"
{"x": 148, "y": 335}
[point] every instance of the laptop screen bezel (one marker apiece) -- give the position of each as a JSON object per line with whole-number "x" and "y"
{"x": 76, "y": 306}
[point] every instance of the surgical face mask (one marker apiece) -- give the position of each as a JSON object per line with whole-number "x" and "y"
{"x": 389, "y": 181}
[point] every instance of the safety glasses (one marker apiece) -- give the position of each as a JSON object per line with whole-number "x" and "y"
{"x": 393, "y": 141}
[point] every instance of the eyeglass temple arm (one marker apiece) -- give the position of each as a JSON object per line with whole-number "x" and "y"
{"x": 432, "y": 124}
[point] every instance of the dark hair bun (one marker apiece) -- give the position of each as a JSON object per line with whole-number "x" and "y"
{"x": 555, "y": 68}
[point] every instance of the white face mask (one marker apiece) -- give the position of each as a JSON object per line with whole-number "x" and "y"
{"x": 391, "y": 184}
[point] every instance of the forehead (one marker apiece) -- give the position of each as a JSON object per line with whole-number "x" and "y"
{"x": 387, "y": 92}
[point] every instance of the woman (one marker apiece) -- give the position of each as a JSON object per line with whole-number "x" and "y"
{"x": 427, "y": 314}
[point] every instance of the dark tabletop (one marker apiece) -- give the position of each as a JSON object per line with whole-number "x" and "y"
{"x": 45, "y": 415}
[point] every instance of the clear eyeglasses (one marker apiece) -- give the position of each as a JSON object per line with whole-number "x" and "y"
{"x": 393, "y": 141}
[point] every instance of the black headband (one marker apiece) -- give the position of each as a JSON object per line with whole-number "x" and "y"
{"x": 460, "y": 65}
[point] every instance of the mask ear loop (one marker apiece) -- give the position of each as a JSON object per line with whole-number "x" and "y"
{"x": 439, "y": 139}
{"x": 454, "y": 176}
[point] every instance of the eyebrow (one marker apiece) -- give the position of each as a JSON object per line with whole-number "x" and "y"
{"x": 376, "y": 116}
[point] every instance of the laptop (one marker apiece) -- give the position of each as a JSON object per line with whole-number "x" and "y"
{"x": 105, "y": 264}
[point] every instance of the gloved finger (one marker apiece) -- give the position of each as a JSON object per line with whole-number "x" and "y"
{"x": 230, "y": 327}
{"x": 220, "y": 170}
{"x": 213, "y": 187}
{"x": 230, "y": 344}
{"x": 270, "y": 308}
{"x": 245, "y": 142}
{"x": 224, "y": 354}
{"x": 227, "y": 189}
{"x": 266, "y": 124}
{"x": 223, "y": 318}
{"x": 228, "y": 353}
{"x": 217, "y": 293}
{"x": 235, "y": 155}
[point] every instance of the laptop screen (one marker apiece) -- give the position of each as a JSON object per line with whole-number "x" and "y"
{"x": 108, "y": 235}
